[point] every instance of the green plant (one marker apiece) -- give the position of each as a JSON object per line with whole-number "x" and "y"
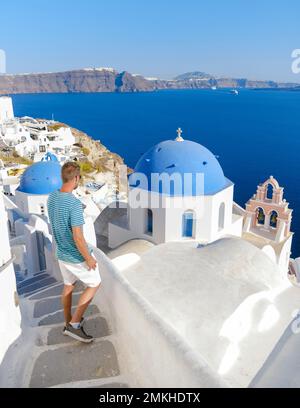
{"x": 86, "y": 167}
{"x": 85, "y": 151}
{"x": 15, "y": 158}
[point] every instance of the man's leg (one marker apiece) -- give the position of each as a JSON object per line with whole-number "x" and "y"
{"x": 84, "y": 300}
{"x": 66, "y": 300}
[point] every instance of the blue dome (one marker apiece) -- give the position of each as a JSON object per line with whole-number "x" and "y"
{"x": 41, "y": 178}
{"x": 184, "y": 156}
{"x": 50, "y": 157}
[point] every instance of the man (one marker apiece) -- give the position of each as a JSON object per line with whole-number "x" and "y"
{"x": 74, "y": 256}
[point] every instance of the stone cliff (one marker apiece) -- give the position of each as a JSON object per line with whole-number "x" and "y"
{"x": 109, "y": 80}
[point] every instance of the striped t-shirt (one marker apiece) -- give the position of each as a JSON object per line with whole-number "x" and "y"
{"x": 65, "y": 211}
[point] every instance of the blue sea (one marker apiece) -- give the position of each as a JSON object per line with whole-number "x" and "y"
{"x": 255, "y": 134}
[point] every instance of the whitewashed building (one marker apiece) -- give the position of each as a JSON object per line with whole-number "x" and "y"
{"x": 31, "y": 138}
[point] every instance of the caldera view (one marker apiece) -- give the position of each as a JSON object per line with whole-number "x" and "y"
{"x": 149, "y": 202}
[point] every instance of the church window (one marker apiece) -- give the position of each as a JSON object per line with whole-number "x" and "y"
{"x": 221, "y": 216}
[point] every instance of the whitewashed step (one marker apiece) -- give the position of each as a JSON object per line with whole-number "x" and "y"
{"x": 30, "y": 281}
{"x": 37, "y": 286}
{"x": 55, "y": 291}
{"x": 58, "y": 317}
{"x": 96, "y": 327}
{"x": 46, "y": 306}
{"x": 75, "y": 363}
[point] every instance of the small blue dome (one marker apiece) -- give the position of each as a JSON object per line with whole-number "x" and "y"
{"x": 49, "y": 157}
{"x": 182, "y": 157}
{"x": 41, "y": 178}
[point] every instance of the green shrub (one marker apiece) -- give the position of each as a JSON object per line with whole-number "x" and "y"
{"x": 85, "y": 151}
{"x": 15, "y": 158}
{"x": 86, "y": 167}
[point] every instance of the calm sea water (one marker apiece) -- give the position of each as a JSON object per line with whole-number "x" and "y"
{"x": 255, "y": 134}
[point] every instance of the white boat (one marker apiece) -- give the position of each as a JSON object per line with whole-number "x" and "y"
{"x": 213, "y": 88}
{"x": 234, "y": 91}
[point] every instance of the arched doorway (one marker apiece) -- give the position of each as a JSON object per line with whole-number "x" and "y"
{"x": 260, "y": 216}
{"x": 221, "y": 216}
{"x": 273, "y": 219}
{"x": 187, "y": 223}
{"x": 149, "y": 221}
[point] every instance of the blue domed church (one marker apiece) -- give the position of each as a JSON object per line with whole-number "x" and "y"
{"x": 37, "y": 182}
{"x": 178, "y": 191}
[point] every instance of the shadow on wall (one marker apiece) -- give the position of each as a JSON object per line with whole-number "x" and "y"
{"x": 281, "y": 369}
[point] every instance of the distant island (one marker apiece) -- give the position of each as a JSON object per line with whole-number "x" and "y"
{"x": 110, "y": 80}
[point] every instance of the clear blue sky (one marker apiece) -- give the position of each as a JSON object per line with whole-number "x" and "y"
{"x": 160, "y": 38}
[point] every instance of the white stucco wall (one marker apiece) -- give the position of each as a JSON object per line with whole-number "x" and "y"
{"x": 284, "y": 256}
{"x": 117, "y": 235}
{"x": 206, "y": 211}
{"x": 89, "y": 230}
{"x": 168, "y": 214}
{"x": 31, "y": 203}
{"x": 186, "y": 284}
{"x": 5, "y": 253}
{"x": 10, "y": 318}
{"x": 150, "y": 352}
{"x": 32, "y": 259}
{"x": 236, "y": 227}
{"x": 66, "y": 135}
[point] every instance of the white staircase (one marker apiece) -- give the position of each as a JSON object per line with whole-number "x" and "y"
{"x": 55, "y": 360}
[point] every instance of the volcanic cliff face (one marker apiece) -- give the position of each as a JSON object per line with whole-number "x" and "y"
{"x": 85, "y": 80}
{"x": 109, "y": 80}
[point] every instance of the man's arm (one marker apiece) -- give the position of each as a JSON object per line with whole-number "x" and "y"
{"x": 82, "y": 247}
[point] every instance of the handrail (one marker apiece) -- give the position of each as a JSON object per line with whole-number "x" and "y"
{"x": 6, "y": 264}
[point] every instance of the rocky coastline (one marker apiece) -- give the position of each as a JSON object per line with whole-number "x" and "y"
{"x": 109, "y": 80}
{"x": 98, "y": 164}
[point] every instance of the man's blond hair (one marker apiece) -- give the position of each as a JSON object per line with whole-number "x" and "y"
{"x": 69, "y": 170}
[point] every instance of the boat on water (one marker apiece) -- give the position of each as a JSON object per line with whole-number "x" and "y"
{"x": 213, "y": 88}
{"x": 234, "y": 91}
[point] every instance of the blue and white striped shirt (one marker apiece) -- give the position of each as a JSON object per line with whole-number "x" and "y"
{"x": 65, "y": 211}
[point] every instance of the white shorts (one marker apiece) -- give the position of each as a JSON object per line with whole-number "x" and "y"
{"x": 72, "y": 272}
